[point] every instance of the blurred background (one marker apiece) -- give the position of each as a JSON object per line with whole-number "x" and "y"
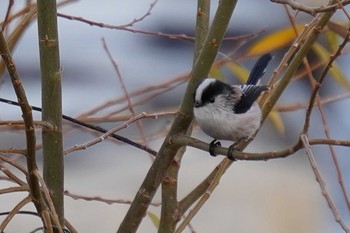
{"x": 273, "y": 196}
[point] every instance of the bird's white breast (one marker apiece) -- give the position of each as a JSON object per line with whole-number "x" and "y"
{"x": 223, "y": 124}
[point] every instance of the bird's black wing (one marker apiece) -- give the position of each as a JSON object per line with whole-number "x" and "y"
{"x": 259, "y": 69}
{"x": 250, "y": 94}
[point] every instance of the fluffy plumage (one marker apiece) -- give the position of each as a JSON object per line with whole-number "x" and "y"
{"x": 227, "y": 112}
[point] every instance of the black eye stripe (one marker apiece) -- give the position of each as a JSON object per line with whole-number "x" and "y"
{"x": 213, "y": 90}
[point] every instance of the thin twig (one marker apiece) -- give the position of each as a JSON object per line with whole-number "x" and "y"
{"x": 24, "y": 188}
{"x": 89, "y": 126}
{"x": 323, "y": 101}
{"x": 100, "y": 199}
{"x": 112, "y": 131}
{"x": 122, "y": 83}
{"x": 322, "y": 183}
{"x": 148, "y": 13}
{"x": 13, "y": 212}
{"x": 46, "y": 194}
{"x": 11, "y": 175}
{"x": 311, "y": 10}
{"x": 6, "y": 20}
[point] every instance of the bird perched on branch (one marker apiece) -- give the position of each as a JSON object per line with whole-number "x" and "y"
{"x": 230, "y": 112}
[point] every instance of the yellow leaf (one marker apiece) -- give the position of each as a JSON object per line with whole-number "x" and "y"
{"x": 338, "y": 28}
{"x": 277, "y": 121}
{"x": 215, "y": 71}
{"x": 240, "y": 72}
{"x": 332, "y": 40}
{"x": 274, "y": 41}
{"x": 154, "y": 218}
{"x": 335, "y": 71}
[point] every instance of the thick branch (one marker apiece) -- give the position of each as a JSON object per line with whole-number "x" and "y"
{"x": 51, "y": 102}
{"x": 181, "y": 123}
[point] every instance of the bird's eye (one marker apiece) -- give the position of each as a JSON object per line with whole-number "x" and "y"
{"x": 212, "y": 100}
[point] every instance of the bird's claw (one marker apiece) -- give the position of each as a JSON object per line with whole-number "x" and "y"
{"x": 231, "y": 150}
{"x": 212, "y": 145}
{"x": 234, "y": 147}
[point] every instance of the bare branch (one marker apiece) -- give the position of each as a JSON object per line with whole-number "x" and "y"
{"x": 148, "y": 13}
{"x": 100, "y": 199}
{"x": 13, "y": 212}
{"x": 240, "y": 155}
{"x": 312, "y": 10}
{"x": 122, "y": 83}
{"x": 307, "y": 147}
{"x": 112, "y": 131}
{"x": 93, "y": 127}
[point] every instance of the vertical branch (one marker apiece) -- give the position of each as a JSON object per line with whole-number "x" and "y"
{"x": 182, "y": 121}
{"x": 202, "y": 26}
{"x": 51, "y": 102}
{"x": 171, "y": 213}
{"x": 33, "y": 181}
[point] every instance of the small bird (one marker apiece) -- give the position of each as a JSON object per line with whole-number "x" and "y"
{"x": 230, "y": 112}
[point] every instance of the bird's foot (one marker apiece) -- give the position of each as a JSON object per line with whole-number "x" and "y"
{"x": 231, "y": 150}
{"x": 212, "y": 145}
{"x": 234, "y": 147}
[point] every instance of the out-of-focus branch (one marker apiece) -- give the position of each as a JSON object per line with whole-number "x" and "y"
{"x": 100, "y": 199}
{"x": 306, "y": 145}
{"x": 13, "y": 212}
{"x": 112, "y": 131}
{"x": 33, "y": 182}
{"x": 314, "y": 99}
{"x": 98, "y": 128}
{"x": 126, "y": 93}
{"x": 312, "y": 10}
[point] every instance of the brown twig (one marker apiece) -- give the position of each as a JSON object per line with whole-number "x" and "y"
{"x": 312, "y": 10}
{"x": 183, "y": 36}
{"x": 24, "y": 188}
{"x": 48, "y": 200}
{"x": 323, "y": 117}
{"x": 89, "y": 126}
{"x": 322, "y": 183}
{"x": 112, "y": 131}
{"x": 13, "y": 151}
{"x": 148, "y": 13}
{"x": 152, "y": 88}
{"x": 13, "y": 212}
{"x": 240, "y": 155}
{"x": 122, "y": 27}
{"x": 6, "y": 20}
{"x": 298, "y": 106}
{"x": 11, "y": 175}
{"x": 100, "y": 199}
{"x": 122, "y": 83}
{"x": 29, "y": 126}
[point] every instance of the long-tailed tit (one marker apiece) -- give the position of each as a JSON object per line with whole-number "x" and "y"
{"x": 227, "y": 112}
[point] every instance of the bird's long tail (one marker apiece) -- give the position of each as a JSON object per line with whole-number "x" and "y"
{"x": 259, "y": 69}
